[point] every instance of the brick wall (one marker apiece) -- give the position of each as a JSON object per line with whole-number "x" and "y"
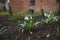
{"x": 20, "y": 5}
{"x": 16, "y": 5}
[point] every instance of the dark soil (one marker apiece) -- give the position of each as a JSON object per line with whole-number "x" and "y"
{"x": 42, "y": 32}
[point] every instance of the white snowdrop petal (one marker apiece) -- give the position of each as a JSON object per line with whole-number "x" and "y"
{"x": 30, "y": 17}
{"x": 26, "y": 18}
{"x": 45, "y": 14}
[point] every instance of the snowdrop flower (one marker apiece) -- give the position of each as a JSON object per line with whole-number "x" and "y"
{"x": 26, "y": 18}
{"x": 48, "y": 15}
{"x": 50, "y": 12}
{"x": 30, "y": 17}
{"x": 45, "y": 14}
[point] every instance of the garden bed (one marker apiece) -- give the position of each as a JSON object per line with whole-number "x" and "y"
{"x": 42, "y": 32}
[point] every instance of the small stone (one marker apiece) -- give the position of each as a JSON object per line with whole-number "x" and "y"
{"x": 22, "y": 30}
{"x": 29, "y": 38}
{"x": 48, "y": 35}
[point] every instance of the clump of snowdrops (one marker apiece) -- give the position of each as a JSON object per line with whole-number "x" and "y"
{"x": 49, "y": 18}
{"x": 28, "y": 23}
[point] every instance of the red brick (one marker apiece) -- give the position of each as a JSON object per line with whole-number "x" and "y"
{"x": 24, "y": 5}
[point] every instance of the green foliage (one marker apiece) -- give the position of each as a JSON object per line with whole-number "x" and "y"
{"x": 2, "y": 30}
{"x": 59, "y": 18}
{"x": 49, "y": 18}
{"x": 16, "y": 17}
{"x": 28, "y": 23}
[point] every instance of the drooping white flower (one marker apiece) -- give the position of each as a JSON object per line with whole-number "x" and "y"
{"x": 26, "y": 18}
{"x": 30, "y": 17}
{"x": 50, "y": 12}
{"x": 45, "y": 14}
{"x": 48, "y": 15}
